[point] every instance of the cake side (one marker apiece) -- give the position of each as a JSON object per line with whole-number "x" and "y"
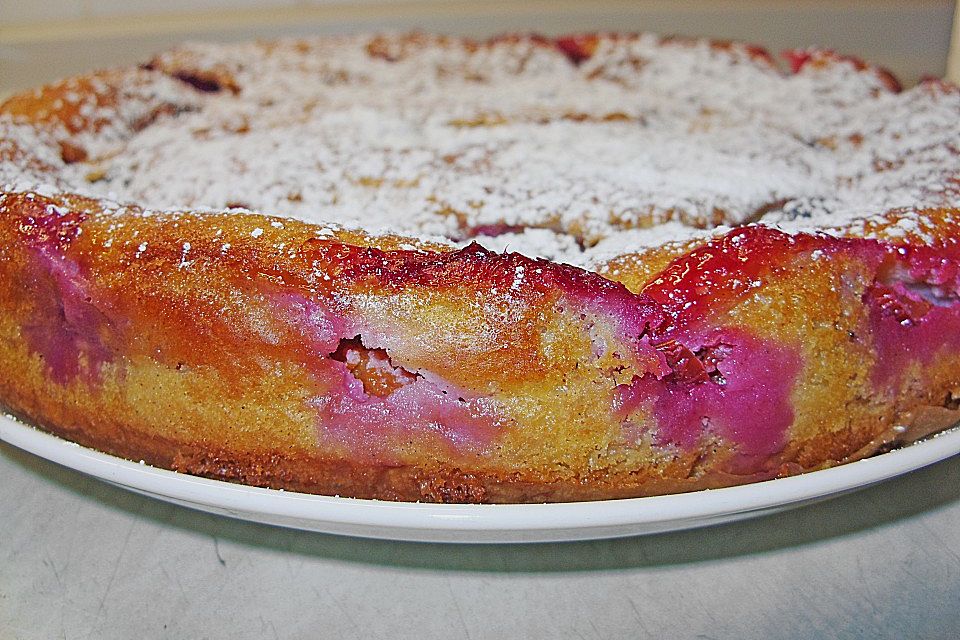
{"x": 282, "y": 354}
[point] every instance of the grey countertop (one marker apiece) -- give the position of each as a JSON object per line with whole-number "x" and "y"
{"x": 82, "y": 559}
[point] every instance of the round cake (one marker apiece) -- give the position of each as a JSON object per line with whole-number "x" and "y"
{"x": 416, "y": 267}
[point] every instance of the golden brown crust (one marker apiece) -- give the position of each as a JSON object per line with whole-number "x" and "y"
{"x": 179, "y": 412}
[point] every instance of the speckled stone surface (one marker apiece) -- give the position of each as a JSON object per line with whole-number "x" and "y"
{"x": 82, "y": 559}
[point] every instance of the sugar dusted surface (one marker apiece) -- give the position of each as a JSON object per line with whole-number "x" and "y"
{"x": 644, "y": 142}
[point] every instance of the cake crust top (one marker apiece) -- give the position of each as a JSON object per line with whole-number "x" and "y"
{"x": 579, "y": 149}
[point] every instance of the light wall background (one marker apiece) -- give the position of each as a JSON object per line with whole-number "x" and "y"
{"x": 43, "y": 40}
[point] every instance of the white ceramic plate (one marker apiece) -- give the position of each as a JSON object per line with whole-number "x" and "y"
{"x": 480, "y": 523}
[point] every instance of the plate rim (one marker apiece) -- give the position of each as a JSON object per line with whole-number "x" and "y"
{"x": 706, "y": 504}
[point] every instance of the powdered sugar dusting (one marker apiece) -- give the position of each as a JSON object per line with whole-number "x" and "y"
{"x": 645, "y": 141}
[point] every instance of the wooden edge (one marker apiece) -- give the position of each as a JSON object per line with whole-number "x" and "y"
{"x": 953, "y": 56}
